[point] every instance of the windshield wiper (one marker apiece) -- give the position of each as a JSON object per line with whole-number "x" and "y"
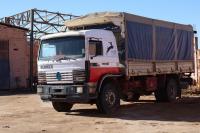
{"x": 65, "y": 58}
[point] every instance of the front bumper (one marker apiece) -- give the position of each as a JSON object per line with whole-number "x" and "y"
{"x": 65, "y": 93}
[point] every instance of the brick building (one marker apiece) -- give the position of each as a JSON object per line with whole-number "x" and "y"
{"x": 14, "y": 57}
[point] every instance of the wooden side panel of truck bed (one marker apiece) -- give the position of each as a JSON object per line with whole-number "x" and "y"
{"x": 144, "y": 68}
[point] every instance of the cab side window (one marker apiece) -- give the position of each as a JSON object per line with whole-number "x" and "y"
{"x": 95, "y": 48}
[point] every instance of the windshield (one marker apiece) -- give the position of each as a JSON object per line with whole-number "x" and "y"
{"x": 64, "y": 48}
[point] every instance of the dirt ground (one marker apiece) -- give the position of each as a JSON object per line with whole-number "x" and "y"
{"x": 26, "y": 113}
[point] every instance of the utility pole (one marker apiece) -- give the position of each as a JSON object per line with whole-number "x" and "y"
{"x": 31, "y": 50}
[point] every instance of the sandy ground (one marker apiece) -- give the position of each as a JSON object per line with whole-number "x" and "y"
{"x": 28, "y": 114}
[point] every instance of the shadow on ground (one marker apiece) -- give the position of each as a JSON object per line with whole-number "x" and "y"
{"x": 10, "y": 92}
{"x": 186, "y": 109}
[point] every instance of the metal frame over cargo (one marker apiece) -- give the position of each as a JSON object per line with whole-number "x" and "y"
{"x": 151, "y": 46}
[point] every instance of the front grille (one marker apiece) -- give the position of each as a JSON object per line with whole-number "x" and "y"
{"x": 52, "y": 78}
{"x": 77, "y": 76}
{"x": 42, "y": 78}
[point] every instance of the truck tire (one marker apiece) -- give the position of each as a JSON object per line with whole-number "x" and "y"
{"x": 98, "y": 104}
{"x": 167, "y": 94}
{"x": 172, "y": 90}
{"x": 62, "y": 106}
{"x": 160, "y": 95}
{"x": 108, "y": 101}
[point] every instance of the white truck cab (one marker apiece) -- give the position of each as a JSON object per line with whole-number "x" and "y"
{"x": 63, "y": 68}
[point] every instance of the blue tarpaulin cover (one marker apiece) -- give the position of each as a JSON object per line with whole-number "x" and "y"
{"x": 184, "y": 45}
{"x": 140, "y": 43}
{"x": 171, "y": 44}
{"x": 165, "y": 40}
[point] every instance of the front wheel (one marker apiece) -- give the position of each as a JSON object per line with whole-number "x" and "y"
{"x": 62, "y": 106}
{"x": 108, "y": 101}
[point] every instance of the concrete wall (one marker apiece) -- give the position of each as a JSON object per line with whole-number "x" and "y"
{"x": 18, "y": 55}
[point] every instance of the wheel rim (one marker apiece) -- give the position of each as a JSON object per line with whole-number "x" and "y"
{"x": 110, "y": 98}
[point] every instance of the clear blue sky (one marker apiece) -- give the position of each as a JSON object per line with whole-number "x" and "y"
{"x": 181, "y": 11}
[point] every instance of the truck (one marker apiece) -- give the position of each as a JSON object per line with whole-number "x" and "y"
{"x": 105, "y": 57}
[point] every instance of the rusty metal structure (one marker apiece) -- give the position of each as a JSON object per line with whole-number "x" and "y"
{"x": 42, "y": 21}
{"x": 39, "y": 23}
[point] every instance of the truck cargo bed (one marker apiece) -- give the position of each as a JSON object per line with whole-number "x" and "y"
{"x": 158, "y": 47}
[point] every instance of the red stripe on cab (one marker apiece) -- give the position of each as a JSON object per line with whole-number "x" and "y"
{"x": 97, "y": 72}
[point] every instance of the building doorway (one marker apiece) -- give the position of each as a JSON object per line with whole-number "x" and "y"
{"x": 4, "y": 65}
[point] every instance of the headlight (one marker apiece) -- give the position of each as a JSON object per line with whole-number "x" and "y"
{"x": 40, "y": 90}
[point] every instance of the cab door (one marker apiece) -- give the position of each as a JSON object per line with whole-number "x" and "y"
{"x": 103, "y": 59}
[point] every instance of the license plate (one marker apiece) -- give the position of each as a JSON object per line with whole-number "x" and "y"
{"x": 58, "y": 87}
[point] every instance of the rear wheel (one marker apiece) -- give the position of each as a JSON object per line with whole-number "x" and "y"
{"x": 108, "y": 101}
{"x": 169, "y": 93}
{"x": 172, "y": 89}
{"x": 160, "y": 95}
{"x": 62, "y": 106}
